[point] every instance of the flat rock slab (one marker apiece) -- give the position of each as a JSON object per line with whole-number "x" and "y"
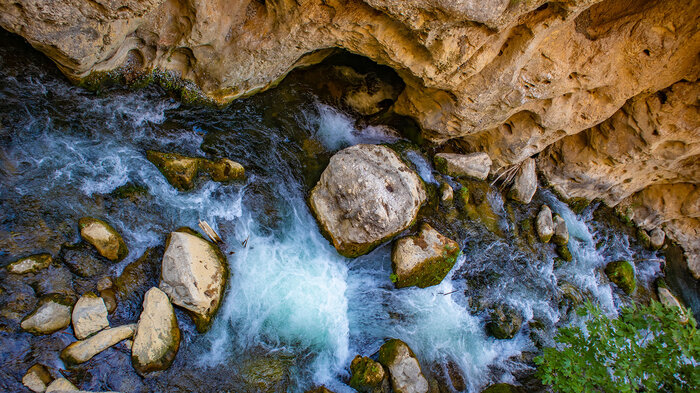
{"x": 82, "y": 351}
{"x": 366, "y": 196}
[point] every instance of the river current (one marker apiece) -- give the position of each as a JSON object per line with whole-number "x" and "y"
{"x": 295, "y": 312}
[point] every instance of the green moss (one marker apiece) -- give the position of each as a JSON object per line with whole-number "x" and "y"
{"x": 643, "y": 238}
{"x": 390, "y": 349}
{"x": 622, "y": 274}
{"x": 578, "y": 204}
{"x": 472, "y": 202}
{"x": 564, "y": 253}
{"x": 367, "y": 375}
{"x": 527, "y": 231}
{"x": 503, "y": 388}
{"x": 440, "y": 165}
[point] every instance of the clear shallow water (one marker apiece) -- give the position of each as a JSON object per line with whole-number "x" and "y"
{"x": 290, "y": 296}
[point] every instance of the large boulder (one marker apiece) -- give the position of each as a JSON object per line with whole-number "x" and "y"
{"x": 366, "y": 196}
{"x": 368, "y": 376}
{"x": 106, "y": 239}
{"x": 82, "y": 351}
{"x": 525, "y": 183}
{"x": 622, "y": 274}
{"x": 423, "y": 260}
{"x": 89, "y": 316}
{"x": 157, "y": 336}
{"x": 51, "y": 315}
{"x": 403, "y": 366}
{"x": 37, "y": 378}
{"x": 193, "y": 275}
{"x": 475, "y": 165}
{"x": 30, "y": 264}
{"x": 545, "y": 225}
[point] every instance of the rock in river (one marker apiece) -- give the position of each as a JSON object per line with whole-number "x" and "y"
{"x": 157, "y": 337}
{"x": 368, "y": 376}
{"x": 106, "y": 239}
{"x": 545, "y": 225}
{"x": 403, "y": 366}
{"x": 476, "y": 165}
{"x": 193, "y": 275}
{"x": 423, "y": 260}
{"x": 89, "y": 316}
{"x": 366, "y": 196}
{"x": 37, "y": 378}
{"x": 30, "y": 264}
{"x": 82, "y": 351}
{"x": 51, "y": 315}
{"x": 61, "y": 385}
{"x": 525, "y": 183}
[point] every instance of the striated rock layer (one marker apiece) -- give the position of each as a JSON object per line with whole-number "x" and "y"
{"x": 607, "y": 89}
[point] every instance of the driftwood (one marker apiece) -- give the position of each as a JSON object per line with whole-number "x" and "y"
{"x": 210, "y": 232}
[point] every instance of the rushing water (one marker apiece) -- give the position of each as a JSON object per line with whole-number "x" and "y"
{"x": 292, "y": 301}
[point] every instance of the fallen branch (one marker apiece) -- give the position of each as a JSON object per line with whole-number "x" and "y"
{"x": 210, "y": 232}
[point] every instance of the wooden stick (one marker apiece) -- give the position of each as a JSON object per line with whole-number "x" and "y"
{"x": 210, "y": 232}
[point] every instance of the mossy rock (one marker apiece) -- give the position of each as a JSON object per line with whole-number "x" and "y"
{"x": 643, "y": 238}
{"x": 108, "y": 242}
{"x": 30, "y": 264}
{"x": 504, "y": 323}
{"x": 578, "y": 204}
{"x": 472, "y": 201}
{"x": 423, "y": 260}
{"x": 130, "y": 191}
{"x": 180, "y": 171}
{"x": 223, "y": 170}
{"x": 622, "y": 274}
{"x": 564, "y": 252}
{"x": 503, "y": 388}
{"x": 368, "y": 376}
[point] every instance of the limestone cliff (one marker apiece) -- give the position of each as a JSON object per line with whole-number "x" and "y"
{"x": 605, "y": 90}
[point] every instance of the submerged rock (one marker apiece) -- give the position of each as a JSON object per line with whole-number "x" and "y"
{"x": 61, "y": 385}
{"x": 504, "y": 323}
{"x": 622, "y": 274}
{"x": 366, "y": 196}
{"x": 51, "y": 315}
{"x": 657, "y": 238}
{"x": 180, "y": 171}
{"x": 368, "y": 376}
{"x": 157, "y": 336}
{"x": 404, "y": 369}
{"x": 89, "y": 316}
{"x": 82, "y": 351}
{"x": 564, "y": 252}
{"x": 545, "y": 225}
{"x": 525, "y": 183}
{"x": 37, "y": 378}
{"x": 423, "y": 260}
{"x": 30, "y": 264}
{"x": 503, "y": 388}
{"x": 83, "y": 260}
{"x": 193, "y": 275}
{"x": 106, "y": 239}
{"x": 446, "y": 193}
{"x": 223, "y": 170}
{"x": 561, "y": 232}
{"x": 267, "y": 373}
{"x": 475, "y": 165}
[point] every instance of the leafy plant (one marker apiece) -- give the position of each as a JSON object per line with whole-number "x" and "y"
{"x": 647, "y": 348}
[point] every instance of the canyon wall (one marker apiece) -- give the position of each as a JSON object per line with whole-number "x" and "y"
{"x": 604, "y": 92}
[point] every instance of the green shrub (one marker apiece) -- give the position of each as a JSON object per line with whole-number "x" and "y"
{"x": 648, "y": 348}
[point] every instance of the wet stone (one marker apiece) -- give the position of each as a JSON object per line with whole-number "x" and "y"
{"x": 30, "y": 264}
{"x": 104, "y": 237}
{"x": 51, "y": 315}
{"x": 622, "y": 274}
{"x": 368, "y": 376}
{"x": 56, "y": 279}
{"x": 89, "y": 316}
{"x": 82, "y": 260}
{"x": 84, "y": 350}
{"x": 404, "y": 369}
{"x": 504, "y": 323}
{"x": 61, "y": 385}
{"x": 37, "y": 378}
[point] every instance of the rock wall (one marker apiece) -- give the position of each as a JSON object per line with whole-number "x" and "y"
{"x": 607, "y": 90}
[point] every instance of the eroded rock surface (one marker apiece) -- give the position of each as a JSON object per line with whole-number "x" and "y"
{"x": 507, "y": 78}
{"x": 365, "y": 196}
{"x": 423, "y": 260}
{"x": 193, "y": 275}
